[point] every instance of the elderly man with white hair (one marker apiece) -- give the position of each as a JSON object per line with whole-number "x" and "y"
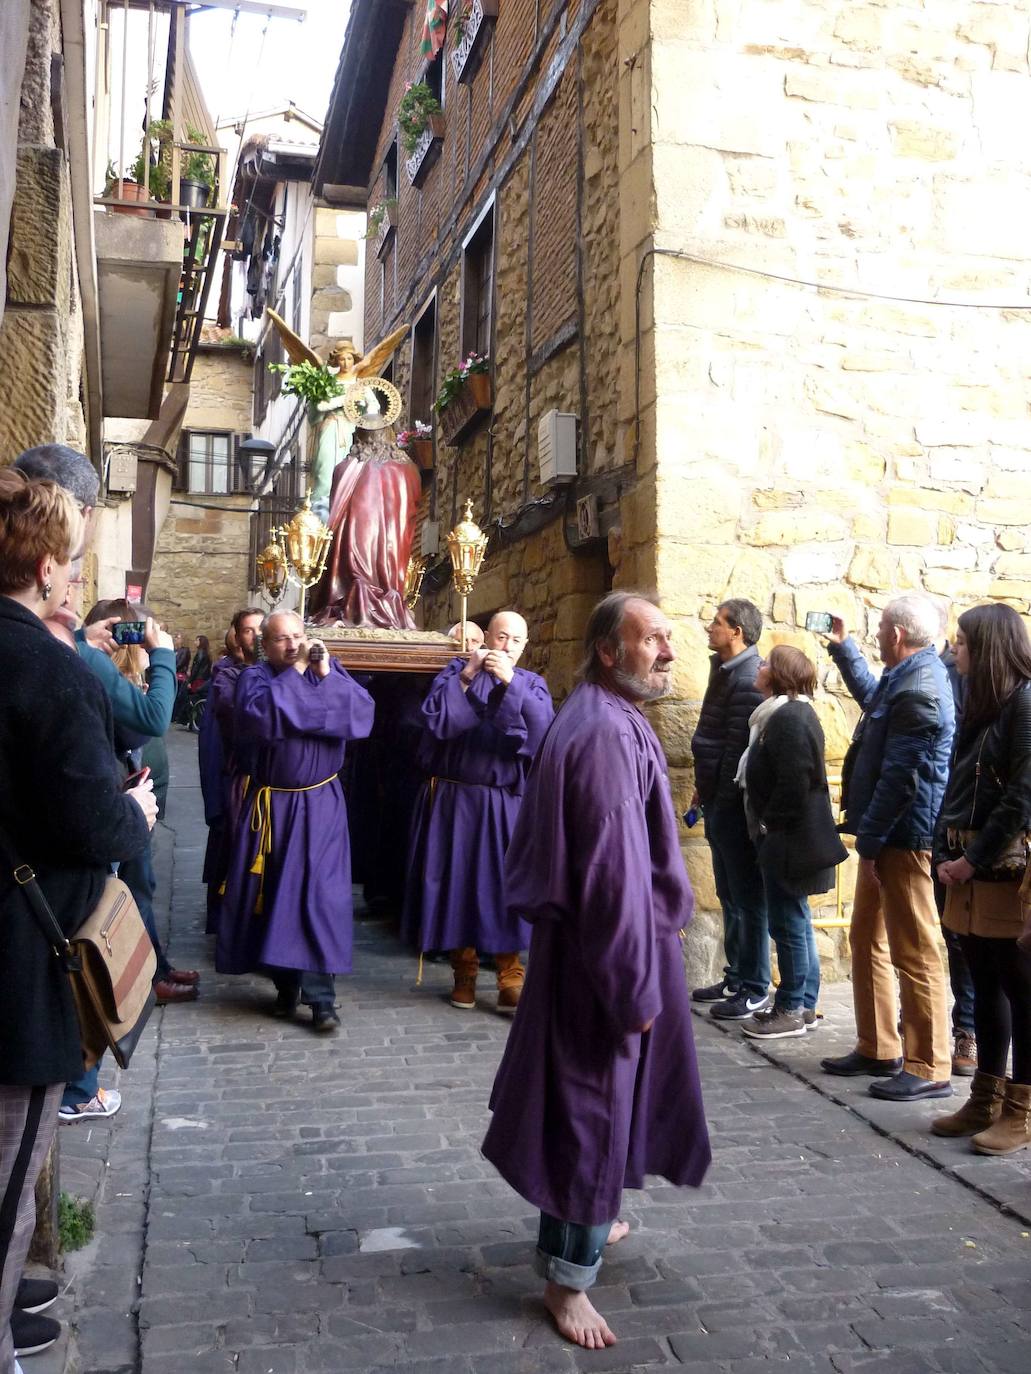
{"x": 893, "y": 784}
{"x": 483, "y": 721}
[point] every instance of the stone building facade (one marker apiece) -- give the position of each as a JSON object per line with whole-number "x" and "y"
{"x": 41, "y": 330}
{"x": 772, "y": 257}
{"x": 202, "y": 564}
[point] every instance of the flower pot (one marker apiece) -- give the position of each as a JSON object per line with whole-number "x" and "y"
{"x": 471, "y": 405}
{"x": 193, "y": 194}
{"x": 421, "y": 453}
{"x": 426, "y": 151}
{"x": 130, "y": 194}
{"x": 466, "y": 54}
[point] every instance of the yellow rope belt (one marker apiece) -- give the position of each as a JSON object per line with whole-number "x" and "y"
{"x": 261, "y": 825}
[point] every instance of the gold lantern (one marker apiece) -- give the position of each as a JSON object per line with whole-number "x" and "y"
{"x": 271, "y": 564}
{"x": 305, "y": 543}
{"x": 466, "y": 545}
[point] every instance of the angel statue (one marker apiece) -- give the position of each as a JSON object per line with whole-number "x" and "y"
{"x": 364, "y": 487}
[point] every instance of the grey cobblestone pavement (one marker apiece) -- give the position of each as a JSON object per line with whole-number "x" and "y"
{"x": 271, "y": 1202}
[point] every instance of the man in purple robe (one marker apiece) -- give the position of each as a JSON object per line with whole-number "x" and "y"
{"x": 599, "y": 1083}
{"x": 483, "y": 722}
{"x": 287, "y": 906}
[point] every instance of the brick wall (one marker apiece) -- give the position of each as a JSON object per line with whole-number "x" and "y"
{"x": 551, "y": 165}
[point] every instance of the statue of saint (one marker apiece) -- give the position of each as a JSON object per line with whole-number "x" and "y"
{"x": 365, "y": 488}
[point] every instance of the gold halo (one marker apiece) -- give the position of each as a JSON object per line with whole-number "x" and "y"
{"x": 358, "y": 389}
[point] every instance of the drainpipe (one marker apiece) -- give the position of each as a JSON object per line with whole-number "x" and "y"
{"x": 81, "y": 168}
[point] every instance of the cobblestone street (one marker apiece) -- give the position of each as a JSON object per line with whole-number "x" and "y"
{"x": 269, "y": 1201}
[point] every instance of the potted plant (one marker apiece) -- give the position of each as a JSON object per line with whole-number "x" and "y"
{"x": 197, "y": 174}
{"x": 469, "y": 23}
{"x": 465, "y": 397}
{"x": 382, "y": 223}
{"x": 417, "y": 442}
{"x": 419, "y": 110}
{"x": 128, "y": 191}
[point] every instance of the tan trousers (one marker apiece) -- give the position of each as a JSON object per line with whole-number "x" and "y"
{"x": 895, "y": 923}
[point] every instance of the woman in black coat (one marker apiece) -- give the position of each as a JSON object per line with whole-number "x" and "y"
{"x": 981, "y": 852}
{"x": 63, "y": 814}
{"x": 789, "y": 812}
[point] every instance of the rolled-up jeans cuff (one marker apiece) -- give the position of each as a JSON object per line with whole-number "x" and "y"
{"x": 565, "y": 1272}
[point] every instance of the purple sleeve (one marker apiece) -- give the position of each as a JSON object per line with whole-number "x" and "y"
{"x": 446, "y": 713}
{"x": 224, "y": 678}
{"x": 524, "y": 712}
{"x": 615, "y": 923}
{"x": 273, "y": 706}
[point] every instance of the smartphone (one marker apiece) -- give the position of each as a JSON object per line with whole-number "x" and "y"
{"x": 128, "y": 632}
{"x": 134, "y": 779}
{"x": 819, "y": 622}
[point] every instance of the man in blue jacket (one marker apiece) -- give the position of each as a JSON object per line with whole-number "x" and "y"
{"x": 893, "y": 784}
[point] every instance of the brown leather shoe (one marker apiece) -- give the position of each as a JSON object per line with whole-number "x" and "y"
{"x": 508, "y": 999}
{"x": 186, "y": 977}
{"x": 167, "y": 991}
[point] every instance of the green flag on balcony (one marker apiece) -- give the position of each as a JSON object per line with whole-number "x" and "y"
{"x": 434, "y": 27}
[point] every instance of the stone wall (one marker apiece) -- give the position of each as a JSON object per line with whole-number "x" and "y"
{"x": 815, "y": 449}
{"x": 201, "y": 571}
{"x": 201, "y": 568}
{"x": 41, "y": 343}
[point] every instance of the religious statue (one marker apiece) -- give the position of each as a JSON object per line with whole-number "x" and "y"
{"x": 364, "y": 487}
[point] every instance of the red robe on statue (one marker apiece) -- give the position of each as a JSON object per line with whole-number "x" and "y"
{"x": 372, "y": 512}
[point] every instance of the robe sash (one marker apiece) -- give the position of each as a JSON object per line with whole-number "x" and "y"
{"x": 261, "y": 825}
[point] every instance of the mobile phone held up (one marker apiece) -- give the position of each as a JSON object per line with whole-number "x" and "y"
{"x": 134, "y": 779}
{"x": 819, "y": 622}
{"x": 125, "y": 632}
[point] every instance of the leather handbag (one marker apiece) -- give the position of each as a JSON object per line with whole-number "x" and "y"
{"x": 110, "y": 963}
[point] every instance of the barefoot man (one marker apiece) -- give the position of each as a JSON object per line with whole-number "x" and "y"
{"x": 599, "y": 1083}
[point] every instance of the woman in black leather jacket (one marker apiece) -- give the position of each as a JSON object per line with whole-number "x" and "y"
{"x": 981, "y": 850}
{"x": 788, "y": 808}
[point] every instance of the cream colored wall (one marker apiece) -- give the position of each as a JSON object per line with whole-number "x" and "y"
{"x": 812, "y": 449}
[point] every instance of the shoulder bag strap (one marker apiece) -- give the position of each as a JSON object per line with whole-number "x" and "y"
{"x": 50, "y": 928}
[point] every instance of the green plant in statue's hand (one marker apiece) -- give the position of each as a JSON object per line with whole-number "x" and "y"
{"x": 313, "y": 384}
{"x": 418, "y": 105}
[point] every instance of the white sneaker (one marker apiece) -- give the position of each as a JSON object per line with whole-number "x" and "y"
{"x": 106, "y": 1103}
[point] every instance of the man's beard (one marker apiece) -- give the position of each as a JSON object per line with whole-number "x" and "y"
{"x": 639, "y": 688}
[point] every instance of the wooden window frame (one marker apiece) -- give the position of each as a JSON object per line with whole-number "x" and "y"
{"x": 430, "y": 304}
{"x": 477, "y": 298}
{"x": 234, "y": 478}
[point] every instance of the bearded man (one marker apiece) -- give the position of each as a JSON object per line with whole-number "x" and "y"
{"x": 599, "y": 1083}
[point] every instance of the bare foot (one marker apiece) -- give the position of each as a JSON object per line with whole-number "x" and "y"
{"x": 619, "y": 1230}
{"x": 576, "y": 1317}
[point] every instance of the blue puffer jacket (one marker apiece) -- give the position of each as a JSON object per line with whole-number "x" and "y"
{"x": 898, "y": 762}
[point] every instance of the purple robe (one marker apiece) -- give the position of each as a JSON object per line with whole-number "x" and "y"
{"x": 477, "y": 747}
{"x": 233, "y": 780}
{"x": 297, "y": 914}
{"x": 585, "y": 1104}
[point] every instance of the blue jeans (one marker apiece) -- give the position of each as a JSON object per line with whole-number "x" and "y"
{"x": 314, "y": 989}
{"x": 84, "y": 1090}
{"x": 568, "y": 1253}
{"x": 739, "y": 886}
{"x": 138, "y": 875}
{"x": 791, "y": 925}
